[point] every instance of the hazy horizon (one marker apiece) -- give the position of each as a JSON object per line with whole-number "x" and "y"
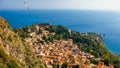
{"x": 105, "y": 5}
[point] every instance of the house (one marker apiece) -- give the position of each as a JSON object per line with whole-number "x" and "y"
{"x": 84, "y": 58}
{"x": 69, "y": 31}
{"x": 45, "y": 33}
{"x": 32, "y": 34}
{"x": 28, "y": 39}
{"x": 37, "y": 27}
{"x": 93, "y": 66}
{"x": 101, "y": 63}
{"x": 83, "y": 66}
{"x": 84, "y": 34}
{"x": 53, "y": 33}
{"x": 70, "y": 41}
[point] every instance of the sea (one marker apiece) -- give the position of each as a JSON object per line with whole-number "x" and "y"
{"x": 104, "y": 22}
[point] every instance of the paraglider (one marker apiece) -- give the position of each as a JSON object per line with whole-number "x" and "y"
{"x": 26, "y": 5}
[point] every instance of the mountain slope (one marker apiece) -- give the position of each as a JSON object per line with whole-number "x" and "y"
{"x": 14, "y": 51}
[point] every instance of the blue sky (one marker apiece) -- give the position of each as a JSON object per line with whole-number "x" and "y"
{"x": 62, "y": 4}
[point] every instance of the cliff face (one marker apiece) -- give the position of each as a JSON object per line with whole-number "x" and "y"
{"x": 14, "y": 51}
{"x": 11, "y": 42}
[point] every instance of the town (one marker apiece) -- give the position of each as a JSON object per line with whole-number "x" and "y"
{"x": 59, "y": 52}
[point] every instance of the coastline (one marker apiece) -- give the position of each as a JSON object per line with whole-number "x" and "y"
{"x": 97, "y": 22}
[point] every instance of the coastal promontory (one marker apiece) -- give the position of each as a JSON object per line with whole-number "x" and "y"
{"x": 44, "y": 45}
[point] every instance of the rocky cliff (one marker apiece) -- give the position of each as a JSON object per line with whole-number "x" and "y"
{"x": 14, "y": 51}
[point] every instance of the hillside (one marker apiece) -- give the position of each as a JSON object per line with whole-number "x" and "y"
{"x": 14, "y": 51}
{"x": 92, "y": 43}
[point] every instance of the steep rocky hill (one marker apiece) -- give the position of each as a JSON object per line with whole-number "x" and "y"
{"x": 14, "y": 51}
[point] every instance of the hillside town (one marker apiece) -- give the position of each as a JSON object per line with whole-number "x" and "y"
{"x": 54, "y": 54}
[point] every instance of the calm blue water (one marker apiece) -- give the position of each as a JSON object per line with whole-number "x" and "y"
{"x": 104, "y": 22}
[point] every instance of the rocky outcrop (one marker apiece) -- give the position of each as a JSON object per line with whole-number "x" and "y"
{"x": 14, "y": 48}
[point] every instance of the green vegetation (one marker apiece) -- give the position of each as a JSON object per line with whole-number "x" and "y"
{"x": 64, "y": 65}
{"x": 3, "y": 55}
{"x": 90, "y": 43}
{"x": 42, "y": 66}
{"x": 12, "y": 65}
